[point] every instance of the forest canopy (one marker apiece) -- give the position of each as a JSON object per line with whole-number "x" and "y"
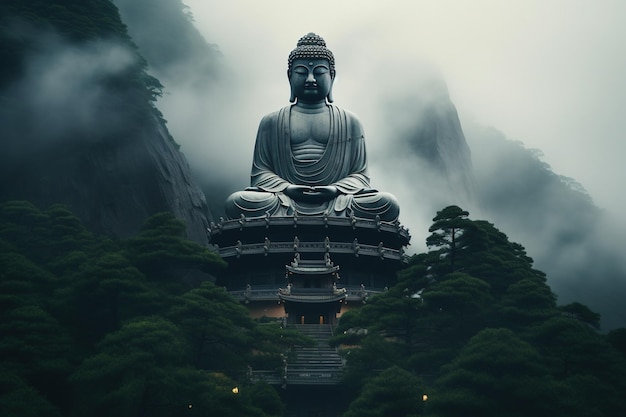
{"x": 95, "y": 326}
{"x": 481, "y": 331}
{"x": 92, "y": 325}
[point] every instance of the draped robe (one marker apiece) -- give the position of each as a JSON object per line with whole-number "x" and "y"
{"x": 342, "y": 164}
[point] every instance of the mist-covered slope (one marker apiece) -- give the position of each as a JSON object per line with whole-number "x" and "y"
{"x": 196, "y": 90}
{"x": 78, "y": 124}
{"x": 437, "y": 162}
{"x": 177, "y": 55}
{"x": 429, "y": 142}
{"x": 576, "y": 243}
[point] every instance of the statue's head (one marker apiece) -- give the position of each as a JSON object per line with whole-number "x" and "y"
{"x": 311, "y": 62}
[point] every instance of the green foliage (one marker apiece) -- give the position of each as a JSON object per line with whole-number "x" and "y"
{"x": 266, "y": 398}
{"x": 496, "y": 374}
{"x": 130, "y": 362}
{"x": 572, "y": 347}
{"x": 617, "y": 338}
{"x": 526, "y": 302}
{"x": 44, "y": 235}
{"x": 374, "y": 354}
{"x": 30, "y": 336}
{"x": 102, "y": 293}
{"x": 22, "y": 282}
{"x": 141, "y": 369}
{"x": 161, "y": 248}
{"x": 476, "y": 321}
{"x": 19, "y": 399}
{"x": 37, "y": 349}
{"x": 447, "y": 232}
{"x": 219, "y": 328}
{"x": 92, "y": 326}
{"x": 583, "y": 313}
{"x": 394, "y": 392}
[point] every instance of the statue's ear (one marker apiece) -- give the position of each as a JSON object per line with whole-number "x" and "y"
{"x": 292, "y": 95}
{"x": 329, "y": 97}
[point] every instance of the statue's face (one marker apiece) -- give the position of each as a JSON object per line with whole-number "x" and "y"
{"x": 310, "y": 80}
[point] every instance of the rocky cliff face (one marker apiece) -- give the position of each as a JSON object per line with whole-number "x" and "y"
{"x": 427, "y": 148}
{"x": 440, "y": 141}
{"x": 112, "y": 187}
{"x": 78, "y": 126}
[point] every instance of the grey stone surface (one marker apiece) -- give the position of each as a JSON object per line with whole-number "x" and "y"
{"x": 114, "y": 185}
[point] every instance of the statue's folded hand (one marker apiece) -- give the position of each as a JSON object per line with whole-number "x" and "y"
{"x": 306, "y": 193}
{"x": 326, "y": 192}
{"x": 297, "y": 192}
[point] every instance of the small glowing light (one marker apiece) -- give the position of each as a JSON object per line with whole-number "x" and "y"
{"x": 424, "y": 397}
{"x": 235, "y": 390}
{"x": 190, "y": 406}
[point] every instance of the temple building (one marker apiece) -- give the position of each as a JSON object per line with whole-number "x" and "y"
{"x": 308, "y": 269}
{"x": 310, "y": 238}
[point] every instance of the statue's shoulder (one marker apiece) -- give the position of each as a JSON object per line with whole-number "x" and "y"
{"x": 271, "y": 120}
{"x": 352, "y": 120}
{"x": 273, "y": 117}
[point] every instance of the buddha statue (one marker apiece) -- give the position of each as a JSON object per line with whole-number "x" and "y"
{"x": 309, "y": 157}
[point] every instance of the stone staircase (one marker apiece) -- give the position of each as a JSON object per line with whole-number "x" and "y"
{"x": 317, "y": 365}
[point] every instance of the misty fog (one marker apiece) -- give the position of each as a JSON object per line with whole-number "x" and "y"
{"x": 392, "y": 65}
{"x": 385, "y": 77}
{"x": 61, "y": 93}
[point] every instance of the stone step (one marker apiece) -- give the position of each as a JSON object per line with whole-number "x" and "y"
{"x": 325, "y": 368}
{"x": 312, "y": 357}
{"x": 309, "y": 358}
{"x": 311, "y": 368}
{"x": 319, "y": 349}
{"x": 319, "y": 364}
{"x": 317, "y": 358}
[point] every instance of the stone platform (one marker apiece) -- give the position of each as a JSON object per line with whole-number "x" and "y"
{"x": 258, "y": 249}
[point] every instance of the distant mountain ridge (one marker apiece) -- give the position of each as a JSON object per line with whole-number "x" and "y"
{"x": 571, "y": 239}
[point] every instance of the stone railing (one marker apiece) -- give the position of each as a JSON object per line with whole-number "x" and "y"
{"x": 265, "y": 293}
{"x": 355, "y": 248}
{"x": 316, "y": 221}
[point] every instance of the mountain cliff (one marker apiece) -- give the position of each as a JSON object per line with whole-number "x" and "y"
{"x": 437, "y": 138}
{"x": 78, "y": 123}
{"x": 573, "y": 240}
{"x": 568, "y": 236}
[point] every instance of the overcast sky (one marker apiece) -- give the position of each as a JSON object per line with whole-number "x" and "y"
{"x": 548, "y": 73}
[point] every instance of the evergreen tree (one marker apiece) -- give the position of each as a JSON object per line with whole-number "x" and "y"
{"x": 447, "y": 233}
{"x": 395, "y": 392}
{"x": 219, "y": 328}
{"x": 19, "y": 399}
{"x": 161, "y": 251}
{"x": 38, "y": 351}
{"x": 479, "y": 323}
{"x": 496, "y": 374}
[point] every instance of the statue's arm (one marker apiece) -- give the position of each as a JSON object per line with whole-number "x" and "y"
{"x": 267, "y": 152}
{"x": 271, "y": 151}
{"x": 357, "y": 179}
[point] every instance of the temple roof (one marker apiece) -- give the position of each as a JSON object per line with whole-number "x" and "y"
{"x": 313, "y": 270}
{"x": 302, "y": 298}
